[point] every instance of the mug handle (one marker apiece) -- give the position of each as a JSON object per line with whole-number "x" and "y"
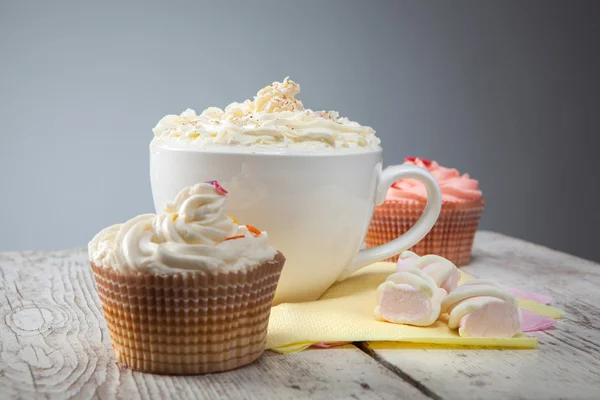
{"x": 416, "y": 232}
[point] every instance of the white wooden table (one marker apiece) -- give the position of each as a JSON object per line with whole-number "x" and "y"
{"x": 54, "y": 342}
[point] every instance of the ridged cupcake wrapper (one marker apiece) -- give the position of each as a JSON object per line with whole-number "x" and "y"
{"x": 188, "y": 323}
{"x": 451, "y": 237}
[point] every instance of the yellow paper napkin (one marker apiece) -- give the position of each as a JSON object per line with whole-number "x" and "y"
{"x": 345, "y": 314}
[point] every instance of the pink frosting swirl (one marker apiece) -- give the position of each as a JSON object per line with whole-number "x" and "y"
{"x": 456, "y": 188}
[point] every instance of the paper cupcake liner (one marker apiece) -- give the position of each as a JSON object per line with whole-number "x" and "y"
{"x": 188, "y": 323}
{"x": 451, "y": 237}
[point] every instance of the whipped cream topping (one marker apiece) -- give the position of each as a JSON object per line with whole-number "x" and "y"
{"x": 443, "y": 272}
{"x": 274, "y": 120}
{"x": 483, "y": 308}
{"x": 191, "y": 234}
{"x": 455, "y": 188}
{"x": 409, "y": 297}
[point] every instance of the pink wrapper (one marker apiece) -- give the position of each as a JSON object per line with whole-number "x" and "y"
{"x": 451, "y": 237}
{"x": 188, "y": 323}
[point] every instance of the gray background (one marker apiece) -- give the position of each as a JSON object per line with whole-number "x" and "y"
{"x": 507, "y": 91}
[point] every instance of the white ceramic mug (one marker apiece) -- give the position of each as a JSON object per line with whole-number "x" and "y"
{"x": 316, "y": 208}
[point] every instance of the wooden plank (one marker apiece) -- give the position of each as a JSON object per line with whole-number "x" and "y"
{"x": 54, "y": 344}
{"x": 567, "y": 364}
{"x": 553, "y": 371}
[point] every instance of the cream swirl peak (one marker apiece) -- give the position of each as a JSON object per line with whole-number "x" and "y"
{"x": 274, "y": 120}
{"x": 191, "y": 234}
{"x": 197, "y": 216}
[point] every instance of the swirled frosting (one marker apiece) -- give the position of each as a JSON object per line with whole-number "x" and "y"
{"x": 193, "y": 233}
{"x": 275, "y": 120}
{"x": 456, "y": 188}
{"x": 483, "y": 308}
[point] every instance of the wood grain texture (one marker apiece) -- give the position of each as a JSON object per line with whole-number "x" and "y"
{"x": 567, "y": 364}
{"x": 54, "y": 344}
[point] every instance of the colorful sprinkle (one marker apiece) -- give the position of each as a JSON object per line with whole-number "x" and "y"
{"x": 253, "y": 230}
{"x": 235, "y": 237}
{"x": 219, "y": 188}
{"x": 235, "y": 221}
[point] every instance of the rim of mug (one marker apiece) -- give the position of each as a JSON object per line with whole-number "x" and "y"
{"x": 285, "y": 153}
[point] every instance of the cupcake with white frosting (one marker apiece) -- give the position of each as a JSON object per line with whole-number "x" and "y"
{"x": 187, "y": 291}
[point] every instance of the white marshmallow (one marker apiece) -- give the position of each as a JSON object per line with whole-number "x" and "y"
{"x": 409, "y": 297}
{"x": 483, "y": 308}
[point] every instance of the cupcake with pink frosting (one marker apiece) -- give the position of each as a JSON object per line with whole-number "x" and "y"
{"x": 452, "y": 235}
